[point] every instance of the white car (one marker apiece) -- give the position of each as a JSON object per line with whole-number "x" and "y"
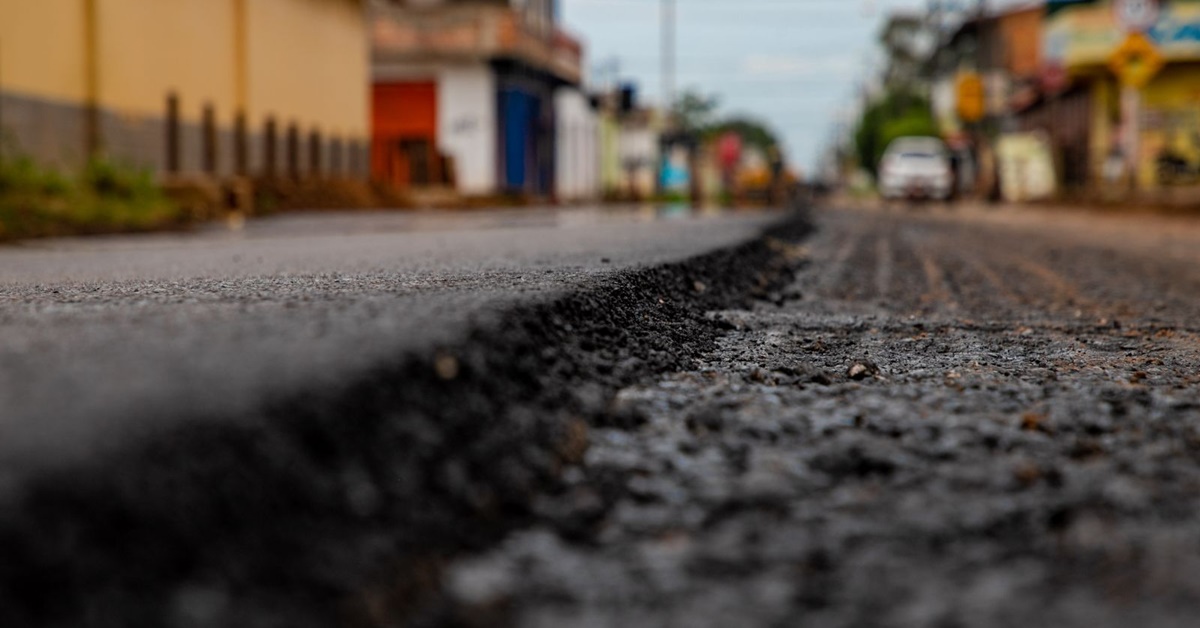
{"x": 915, "y": 168}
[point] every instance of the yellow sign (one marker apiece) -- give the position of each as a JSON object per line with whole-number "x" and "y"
{"x": 1136, "y": 61}
{"x": 970, "y": 96}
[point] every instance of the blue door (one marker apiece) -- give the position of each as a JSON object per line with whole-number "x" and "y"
{"x": 518, "y": 109}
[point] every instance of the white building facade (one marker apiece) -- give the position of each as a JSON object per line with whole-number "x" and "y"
{"x": 577, "y": 137}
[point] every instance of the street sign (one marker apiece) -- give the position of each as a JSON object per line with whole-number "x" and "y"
{"x": 1136, "y": 61}
{"x": 1136, "y": 16}
{"x": 970, "y": 97}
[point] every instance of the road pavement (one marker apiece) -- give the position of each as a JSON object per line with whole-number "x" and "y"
{"x": 99, "y": 336}
{"x": 946, "y": 417}
{"x": 283, "y": 423}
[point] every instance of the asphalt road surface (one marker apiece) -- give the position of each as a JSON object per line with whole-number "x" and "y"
{"x": 99, "y": 336}
{"x": 258, "y": 424}
{"x": 940, "y": 417}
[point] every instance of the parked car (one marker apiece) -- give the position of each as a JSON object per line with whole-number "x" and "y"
{"x": 915, "y": 168}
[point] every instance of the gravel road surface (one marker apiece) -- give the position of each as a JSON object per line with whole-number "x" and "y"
{"x": 950, "y": 418}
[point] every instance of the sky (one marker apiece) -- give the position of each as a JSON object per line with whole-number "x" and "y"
{"x": 795, "y": 64}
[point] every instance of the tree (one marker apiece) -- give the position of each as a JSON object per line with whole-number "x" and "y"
{"x": 899, "y": 113}
{"x": 753, "y": 132}
{"x": 907, "y": 40}
{"x": 695, "y": 112}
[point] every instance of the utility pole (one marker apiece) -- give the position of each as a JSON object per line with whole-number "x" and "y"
{"x": 668, "y": 54}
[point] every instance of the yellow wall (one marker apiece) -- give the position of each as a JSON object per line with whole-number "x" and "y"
{"x": 149, "y": 48}
{"x": 309, "y": 63}
{"x": 1104, "y": 131}
{"x": 1171, "y": 119}
{"x": 305, "y": 61}
{"x": 42, "y": 49}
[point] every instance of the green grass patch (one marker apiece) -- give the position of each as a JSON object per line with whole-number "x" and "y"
{"x": 105, "y": 197}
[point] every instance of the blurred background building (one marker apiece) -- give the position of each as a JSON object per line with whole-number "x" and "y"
{"x": 483, "y": 97}
{"x": 188, "y": 88}
{"x": 1138, "y": 105}
{"x": 1075, "y": 99}
{"x": 277, "y": 104}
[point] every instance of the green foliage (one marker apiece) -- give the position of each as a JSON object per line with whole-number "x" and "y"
{"x": 753, "y": 132}
{"x": 901, "y": 41}
{"x": 105, "y": 197}
{"x": 694, "y": 112}
{"x": 21, "y": 176}
{"x": 912, "y": 123}
{"x": 698, "y": 113}
{"x": 673, "y": 197}
{"x": 898, "y": 114}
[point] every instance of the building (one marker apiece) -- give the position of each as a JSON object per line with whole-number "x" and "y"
{"x": 467, "y": 95}
{"x": 188, "y": 88}
{"x": 630, "y": 142}
{"x": 1144, "y": 133}
{"x": 994, "y": 60}
{"x": 577, "y": 169}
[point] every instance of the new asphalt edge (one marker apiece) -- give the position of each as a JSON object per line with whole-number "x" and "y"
{"x": 339, "y": 506}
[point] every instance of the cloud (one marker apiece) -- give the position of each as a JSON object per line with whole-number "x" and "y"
{"x": 783, "y": 66}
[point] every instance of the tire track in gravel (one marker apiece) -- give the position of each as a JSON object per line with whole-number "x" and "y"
{"x": 858, "y": 285}
{"x": 1066, "y": 291}
{"x": 941, "y": 289}
{"x": 985, "y": 293}
{"x": 883, "y": 266}
{"x": 1016, "y": 275}
{"x": 841, "y": 274}
{"x": 905, "y": 269}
